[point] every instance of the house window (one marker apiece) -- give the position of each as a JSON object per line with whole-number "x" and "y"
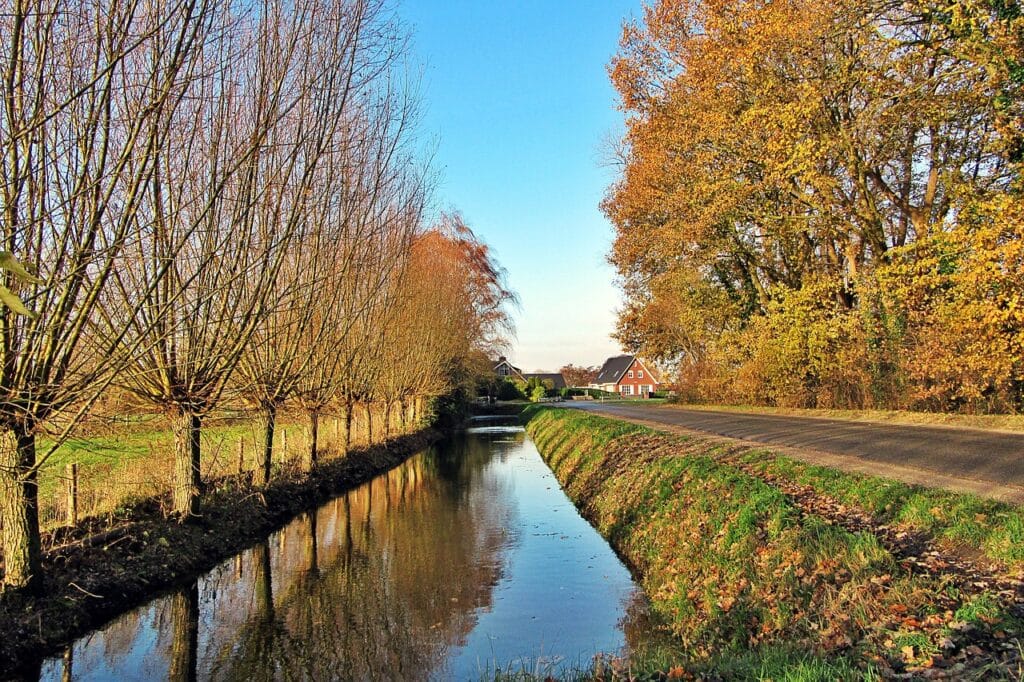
{"x": 503, "y": 371}
{"x": 630, "y": 374}
{"x": 627, "y": 389}
{"x": 640, "y": 374}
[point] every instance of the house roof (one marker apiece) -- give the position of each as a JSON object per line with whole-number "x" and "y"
{"x": 613, "y": 369}
{"x": 557, "y": 379}
{"x": 504, "y": 361}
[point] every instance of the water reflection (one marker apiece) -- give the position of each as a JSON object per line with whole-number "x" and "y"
{"x": 464, "y": 558}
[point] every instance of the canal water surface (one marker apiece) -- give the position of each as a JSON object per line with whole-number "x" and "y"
{"x": 466, "y": 559}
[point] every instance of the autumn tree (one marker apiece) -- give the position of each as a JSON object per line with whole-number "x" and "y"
{"x": 777, "y": 154}
{"x": 450, "y": 307}
{"x": 576, "y": 375}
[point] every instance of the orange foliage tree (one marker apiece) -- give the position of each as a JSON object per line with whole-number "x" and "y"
{"x": 451, "y": 308}
{"x": 809, "y": 195}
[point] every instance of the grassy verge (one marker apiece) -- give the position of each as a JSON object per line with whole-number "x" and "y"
{"x": 750, "y": 587}
{"x": 1001, "y": 422}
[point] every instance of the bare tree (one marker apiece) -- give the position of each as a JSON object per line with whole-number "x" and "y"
{"x": 371, "y": 254}
{"x": 205, "y": 275}
{"x": 88, "y": 91}
{"x": 357, "y": 171}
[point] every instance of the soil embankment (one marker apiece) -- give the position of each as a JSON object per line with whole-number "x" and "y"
{"x": 105, "y": 566}
{"x": 758, "y": 571}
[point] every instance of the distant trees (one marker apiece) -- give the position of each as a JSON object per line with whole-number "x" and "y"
{"x": 218, "y": 202}
{"x": 807, "y": 189}
{"x": 509, "y": 390}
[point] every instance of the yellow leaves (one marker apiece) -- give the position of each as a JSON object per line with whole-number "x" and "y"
{"x": 786, "y": 156}
{"x": 11, "y": 264}
{"x": 11, "y": 300}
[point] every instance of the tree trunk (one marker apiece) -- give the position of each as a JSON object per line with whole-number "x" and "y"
{"x": 309, "y": 459}
{"x": 387, "y": 419}
{"x": 188, "y": 478}
{"x": 267, "y": 419}
{"x": 19, "y": 510}
{"x": 347, "y": 443}
{"x": 68, "y": 672}
{"x": 185, "y": 634}
{"x": 369, "y": 424}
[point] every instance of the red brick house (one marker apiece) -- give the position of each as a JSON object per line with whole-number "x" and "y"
{"x": 626, "y": 375}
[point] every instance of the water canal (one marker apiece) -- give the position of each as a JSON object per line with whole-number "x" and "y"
{"x": 466, "y": 559}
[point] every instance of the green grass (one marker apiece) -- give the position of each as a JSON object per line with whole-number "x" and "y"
{"x": 118, "y": 468}
{"x": 788, "y": 663}
{"x": 958, "y": 520}
{"x": 100, "y": 450}
{"x": 770, "y": 664}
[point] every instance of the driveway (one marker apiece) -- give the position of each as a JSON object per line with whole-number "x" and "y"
{"x": 990, "y": 463}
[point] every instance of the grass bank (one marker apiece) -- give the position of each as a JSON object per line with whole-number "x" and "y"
{"x": 753, "y": 587}
{"x": 111, "y": 563}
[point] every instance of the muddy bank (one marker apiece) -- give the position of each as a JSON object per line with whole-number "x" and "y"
{"x": 753, "y": 582}
{"x": 102, "y": 568}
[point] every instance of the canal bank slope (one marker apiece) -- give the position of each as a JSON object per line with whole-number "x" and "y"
{"x": 107, "y": 566}
{"x": 763, "y": 566}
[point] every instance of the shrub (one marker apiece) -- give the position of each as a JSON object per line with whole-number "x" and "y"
{"x": 509, "y": 391}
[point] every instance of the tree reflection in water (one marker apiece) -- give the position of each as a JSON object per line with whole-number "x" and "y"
{"x": 184, "y": 606}
{"x": 383, "y": 582}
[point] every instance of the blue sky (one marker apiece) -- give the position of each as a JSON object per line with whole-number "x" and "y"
{"x": 518, "y": 98}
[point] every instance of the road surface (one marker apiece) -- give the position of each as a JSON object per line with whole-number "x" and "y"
{"x": 989, "y": 463}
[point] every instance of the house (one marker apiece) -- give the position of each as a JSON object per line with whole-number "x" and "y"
{"x": 505, "y": 369}
{"x": 626, "y": 375}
